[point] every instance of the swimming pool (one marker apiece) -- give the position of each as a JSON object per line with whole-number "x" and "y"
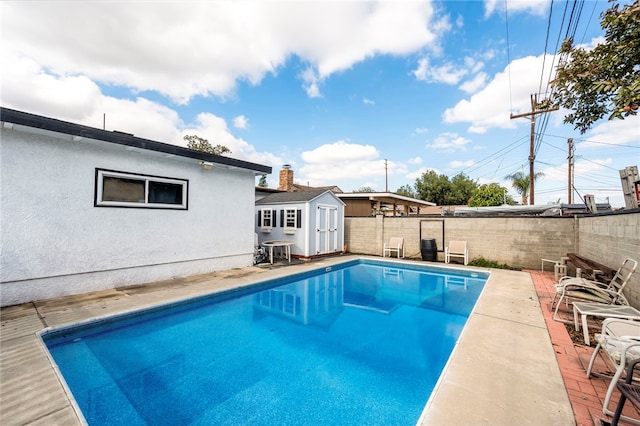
{"x": 363, "y": 343}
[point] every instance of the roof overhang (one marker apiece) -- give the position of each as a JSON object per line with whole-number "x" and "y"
{"x": 384, "y": 197}
{"x": 31, "y": 123}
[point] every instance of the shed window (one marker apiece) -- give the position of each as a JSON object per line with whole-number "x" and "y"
{"x": 291, "y": 218}
{"x": 266, "y": 218}
{"x": 120, "y": 189}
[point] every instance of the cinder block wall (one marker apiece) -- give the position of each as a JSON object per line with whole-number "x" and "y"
{"x": 518, "y": 242}
{"x": 610, "y": 239}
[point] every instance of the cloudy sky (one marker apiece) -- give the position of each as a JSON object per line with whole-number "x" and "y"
{"x": 335, "y": 89}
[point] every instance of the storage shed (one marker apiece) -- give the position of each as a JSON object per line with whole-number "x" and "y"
{"x": 312, "y": 220}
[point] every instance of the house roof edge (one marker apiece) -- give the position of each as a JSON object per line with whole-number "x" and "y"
{"x": 22, "y": 118}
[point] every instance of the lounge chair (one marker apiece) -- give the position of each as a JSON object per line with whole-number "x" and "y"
{"x": 395, "y": 245}
{"x": 594, "y": 291}
{"x": 620, "y": 341}
{"x": 456, "y": 249}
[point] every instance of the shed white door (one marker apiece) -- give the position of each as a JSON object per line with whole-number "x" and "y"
{"x": 327, "y": 229}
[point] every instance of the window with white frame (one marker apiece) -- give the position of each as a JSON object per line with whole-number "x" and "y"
{"x": 121, "y": 189}
{"x": 266, "y": 219}
{"x": 290, "y": 218}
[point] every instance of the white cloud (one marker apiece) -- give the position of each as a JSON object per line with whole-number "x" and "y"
{"x": 416, "y": 160}
{"x": 340, "y": 151}
{"x": 78, "y": 100}
{"x": 418, "y": 173}
{"x": 509, "y": 92}
{"x": 368, "y": 101}
{"x": 449, "y": 142}
{"x": 310, "y": 83}
{"x": 617, "y": 132}
{"x": 241, "y": 122}
{"x": 534, "y": 7}
{"x": 215, "y": 130}
{"x": 342, "y": 161}
{"x": 204, "y": 48}
{"x": 475, "y": 84}
{"x": 446, "y": 73}
{"x": 420, "y": 131}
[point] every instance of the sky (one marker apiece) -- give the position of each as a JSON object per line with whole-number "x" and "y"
{"x": 349, "y": 93}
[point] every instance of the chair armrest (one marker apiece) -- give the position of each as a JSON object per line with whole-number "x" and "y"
{"x": 608, "y": 321}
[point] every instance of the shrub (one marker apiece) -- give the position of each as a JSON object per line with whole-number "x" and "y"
{"x": 484, "y": 263}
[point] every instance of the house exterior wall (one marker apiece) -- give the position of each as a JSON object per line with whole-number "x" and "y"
{"x": 55, "y": 242}
{"x": 516, "y": 241}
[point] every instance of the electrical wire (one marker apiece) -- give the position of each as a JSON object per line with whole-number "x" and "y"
{"x": 595, "y": 3}
{"x": 546, "y": 42}
{"x": 506, "y": 20}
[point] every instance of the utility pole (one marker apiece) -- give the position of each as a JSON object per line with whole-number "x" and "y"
{"x": 536, "y": 108}
{"x": 386, "y": 177}
{"x": 570, "y": 173}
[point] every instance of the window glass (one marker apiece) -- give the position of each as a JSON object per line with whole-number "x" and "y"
{"x": 165, "y": 193}
{"x": 119, "y": 189}
{"x": 266, "y": 218}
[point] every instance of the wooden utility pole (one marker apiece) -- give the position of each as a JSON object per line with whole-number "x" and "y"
{"x": 570, "y": 173}
{"x": 386, "y": 178}
{"x": 536, "y": 108}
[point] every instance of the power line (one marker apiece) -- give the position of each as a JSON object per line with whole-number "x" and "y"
{"x": 494, "y": 155}
{"x": 506, "y": 20}
{"x": 546, "y": 42}
{"x": 595, "y": 3}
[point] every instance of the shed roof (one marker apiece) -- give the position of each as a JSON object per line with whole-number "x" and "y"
{"x": 30, "y": 122}
{"x": 293, "y": 197}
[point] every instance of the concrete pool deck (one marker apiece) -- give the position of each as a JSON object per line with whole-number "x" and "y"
{"x": 503, "y": 370}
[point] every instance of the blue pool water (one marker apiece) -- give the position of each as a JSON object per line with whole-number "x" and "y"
{"x": 363, "y": 343}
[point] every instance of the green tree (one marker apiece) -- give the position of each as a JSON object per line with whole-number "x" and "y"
{"x": 407, "y": 191}
{"x": 463, "y": 188}
{"x": 520, "y": 182}
{"x": 605, "y": 80}
{"x": 490, "y": 195}
{"x": 442, "y": 191}
{"x": 364, "y": 189}
{"x": 200, "y": 144}
{"x": 263, "y": 181}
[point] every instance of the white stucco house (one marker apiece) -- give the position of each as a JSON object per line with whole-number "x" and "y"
{"x": 312, "y": 220}
{"x": 84, "y": 209}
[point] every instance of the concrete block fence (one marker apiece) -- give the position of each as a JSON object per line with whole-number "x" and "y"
{"x": 517, "y": 241}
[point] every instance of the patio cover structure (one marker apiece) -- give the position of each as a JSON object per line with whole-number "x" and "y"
{"x": 388, "y": 203}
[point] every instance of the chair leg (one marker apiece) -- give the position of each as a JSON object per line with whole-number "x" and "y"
{"x": 593, "y": 359}
{"x": 555, "y": 312}
{"x": 618, "y": 413}
{"x": 607, "y": 399}
{"x": 553, "y": 300}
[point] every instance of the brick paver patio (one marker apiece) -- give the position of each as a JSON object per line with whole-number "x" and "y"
{"x": 586, "y": 395}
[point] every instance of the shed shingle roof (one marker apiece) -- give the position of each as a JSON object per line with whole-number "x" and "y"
{"x": 291, "y": 197}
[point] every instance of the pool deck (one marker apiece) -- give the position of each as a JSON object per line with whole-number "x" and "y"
{"x": 505, "y": 369}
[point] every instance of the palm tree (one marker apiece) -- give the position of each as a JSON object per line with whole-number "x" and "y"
{"x": 520, "y": 182}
